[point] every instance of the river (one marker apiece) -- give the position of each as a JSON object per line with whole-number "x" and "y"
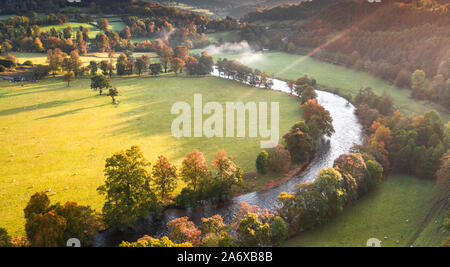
{"x": 348, "y": 131}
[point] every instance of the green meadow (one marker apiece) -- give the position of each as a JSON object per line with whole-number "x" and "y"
{"x": 56, "y": 138}
{"x": 397, "y": 209}
{"x": 114, "y": 25}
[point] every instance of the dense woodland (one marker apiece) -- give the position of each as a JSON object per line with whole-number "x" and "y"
{"x": 389, "y": 40}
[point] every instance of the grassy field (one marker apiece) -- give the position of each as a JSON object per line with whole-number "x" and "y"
{"x": 41, "y": 58}
{"x": 382, "y": 213}
{"x": 114, "y": 25}
{"x": 288, "y": 66}
{"x": 57, "y": 138}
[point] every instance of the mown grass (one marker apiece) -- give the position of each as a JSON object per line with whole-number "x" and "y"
{"x": 395, "y": 209}
{"x": 288, "y": 66}
{"x": 57, "y": 138}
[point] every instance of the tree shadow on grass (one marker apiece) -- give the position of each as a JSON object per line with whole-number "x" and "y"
{"x": 69, "y": 112}
{"x": 46, "y": 105}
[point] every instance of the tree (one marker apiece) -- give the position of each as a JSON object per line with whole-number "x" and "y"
{"x": 164, "y": 177}
{"x": 177, "y": 64}
{"x": 103, "y": 24}
{"x": 262, "y": 162}
{"x": 418, "y": 83}
{"x": 212, "y": 225}
{"x": 142, "y": 63}
{"x": 100, "y": 82}
{"x": 121, "y": 64}
{"x": 127, "y": 189}
{"x": 166, "y": 55}
{"x": 182, "y": 230}
{"x": 194, "y": 168}
{"x": 5, "y": 239}
{"x": 156, "y": 68}
{"x": 279, "y": 231}
{"x": 46, "y": 230}
{"x": 317, "y": 118}
{"x": 82, "y": 222}
{"x": 181, "y": 52}
{"x": 55, "y": 59}
{"x": 68, "y": 77}
{"x": 40, "y": 72}
{"x": 113, "y": 92}
{"x": 329, "y": 184}
{"x": 38, "y": 204}
{"x": 125, "y": 33}
{"x": 68, "y": 32}
{"x": 93, "y": 66}
{"x": 53, "y": 225}
{"x": 375, "y": 170}
{"x": 252, "y": 232}
{"x": 299, "y": 143}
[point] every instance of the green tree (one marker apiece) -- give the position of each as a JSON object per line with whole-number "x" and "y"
{"x": 279, "y": 231}
{"x": 127, "y": 189}
{"x": 156, "y": 68}
{"x": 375, "y": 170}
{"x": 38, "y": 204}
{"x": 299, "y": 143}
{"x": 100, "y": 82}
{"x": 5, "y": 239}
{"x": 164, "y": 177}
{"x": 262, "y": 162}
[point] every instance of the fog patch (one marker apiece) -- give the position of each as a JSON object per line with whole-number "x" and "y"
{"x": 230, "y": 48}
{"x": 246, "y": 54}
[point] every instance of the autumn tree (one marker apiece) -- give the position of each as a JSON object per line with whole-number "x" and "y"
{"x": 68, "y": 77}
{"x": 164, "y": 177}
{"x": 127, "y": 189}
{"x": 103, "y": 24}
{"x": 55, "y": 59}
{"x": 142, "y": 63}
{"x": 166, "y": 55}
{"x": 182, "y": 230}
{"x": 177, "y": 64}
{"x": 317, "y": 118}
{"x": 252, "y": 232}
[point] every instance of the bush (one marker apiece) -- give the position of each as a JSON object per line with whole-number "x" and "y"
{"x": 375, "y": 170}
{"x": 28, "y": 63}
{"x": 278, "y": 230}
{"x": 5, "y": 239}
{"x": 279, "y": 159}
{"x": 262, "y": 162}
{"x": 2, "y": 68}
{"x": 40, "y": 72}
{"x": 187, "y": 198}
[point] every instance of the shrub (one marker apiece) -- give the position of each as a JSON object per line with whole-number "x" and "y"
{"x": 279, "y": 159}
{"x": 262, "y": 162}
{"x": 278, "y": 230}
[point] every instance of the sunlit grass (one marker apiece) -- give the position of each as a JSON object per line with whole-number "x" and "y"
{"x": 58, "y": 137}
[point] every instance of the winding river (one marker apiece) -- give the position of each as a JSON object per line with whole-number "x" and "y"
{"x": 348, "y": 132}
